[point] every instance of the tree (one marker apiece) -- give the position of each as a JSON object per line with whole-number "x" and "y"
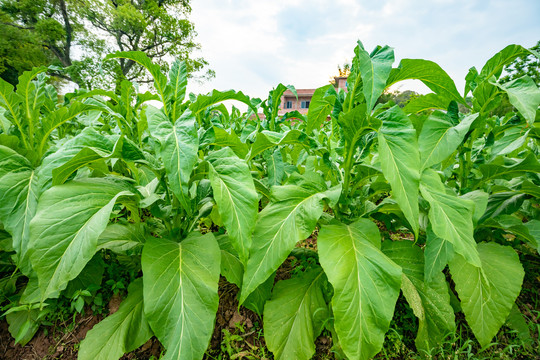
{"x": 524, "y": 65}
{"x": 92, "y": 28}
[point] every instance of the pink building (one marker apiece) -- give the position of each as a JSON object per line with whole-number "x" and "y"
{"x": 289, "y": 102}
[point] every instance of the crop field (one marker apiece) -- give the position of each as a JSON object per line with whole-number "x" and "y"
{"x": 173, "y": 226}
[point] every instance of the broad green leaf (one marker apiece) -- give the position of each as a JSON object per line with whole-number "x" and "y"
{"x": 511, "y": 140}
{"x": 294, "y": 316}
{"x": 437, "y": 253}
{"x": 258, "y": 298}
{"x": 366, "y": 285}
{"x": 233, "y": 270}
{"x": 178, "y": 150}
{"x": 374, "y": 70}
{"x": 65, "y": 230}
{"x": 488, "y": 292}
{"x": 57, "y": 118}
{"x": 23, "y": 325}
{"x": 441, "y": 136}
{"x": 528, "y": 187}
{"x": 236, "y": 197}
{"x": 123, "y": 149}
{"x": 119, "y": 333}
{"x": 502, "y": 203}
{"x": 426, "y": 102}
{"x": 504, "y": 168}
{"x": 222, "y": 137}
{"x": 496, "y": 63}
{"x": 291, "y": 217}
{"x": 181, "y": 292}
{"x": 19, "y": 192}
{"x": 64, "y": 153}
{"x": 400, "y": 161}
{"x": 120, "y": 238}
{"x": 175, "y": 91}
{"x": 275, "y": 167}
{"x": 274, "y": 99}
{"x": 524, "y": 95}
{"x": 451, "y": 217}
{"x": 320, "y": 106}
{"x": 430, "y": 302}
{"x": 86, "y": 156}
{"x": 431, "y": 74}
{"x": 231, "y": 266}
{"x": 480, "y": 200}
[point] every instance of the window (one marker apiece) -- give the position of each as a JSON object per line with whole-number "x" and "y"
{"x": 288, "y": 105}
{"x": 304, "y": 104}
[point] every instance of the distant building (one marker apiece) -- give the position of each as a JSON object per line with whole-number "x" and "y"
{"x": 289, "y": 102}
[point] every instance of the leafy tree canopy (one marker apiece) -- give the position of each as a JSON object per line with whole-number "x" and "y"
{"x": 76, "y": 35}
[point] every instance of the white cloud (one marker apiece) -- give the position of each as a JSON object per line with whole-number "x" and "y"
{"x": 254, "y": 45}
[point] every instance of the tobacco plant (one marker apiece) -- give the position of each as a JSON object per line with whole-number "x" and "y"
{"x": 177, "y": 188}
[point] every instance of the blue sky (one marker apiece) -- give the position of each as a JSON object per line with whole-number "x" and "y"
{"x": 253, "y": 45}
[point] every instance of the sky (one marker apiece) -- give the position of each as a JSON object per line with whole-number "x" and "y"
{"x": 253, "y": 45}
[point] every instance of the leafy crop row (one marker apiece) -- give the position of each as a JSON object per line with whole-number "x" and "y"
{"x": 178, "y": 189}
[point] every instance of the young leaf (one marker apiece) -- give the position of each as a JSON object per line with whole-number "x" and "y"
{"x": 290, "y": 218}
{"x": 400, "y": 161}
{"x": 488, "y": 292}
{"x": 294, "y": 316}
{"x": 175, "y": 91}
{"x": 235, "y": 196}
{"x": 178, "y": 150}
{"x": 160, "y": 80}
{"x": 180, "y": 292}
{"x": 430, "y": 302}
{"x": 450, "y": 216}
{"x": 119, "y": 333}
{"x": 11, "y": 101}
{"x": 204, "y": 101}
{"x": 275, "y": 167}
{"x": 366, "y": 285}
{"x": 320, "y": 106}
{"x": 65, "y": 230}
{"x": 374, "y": 69}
